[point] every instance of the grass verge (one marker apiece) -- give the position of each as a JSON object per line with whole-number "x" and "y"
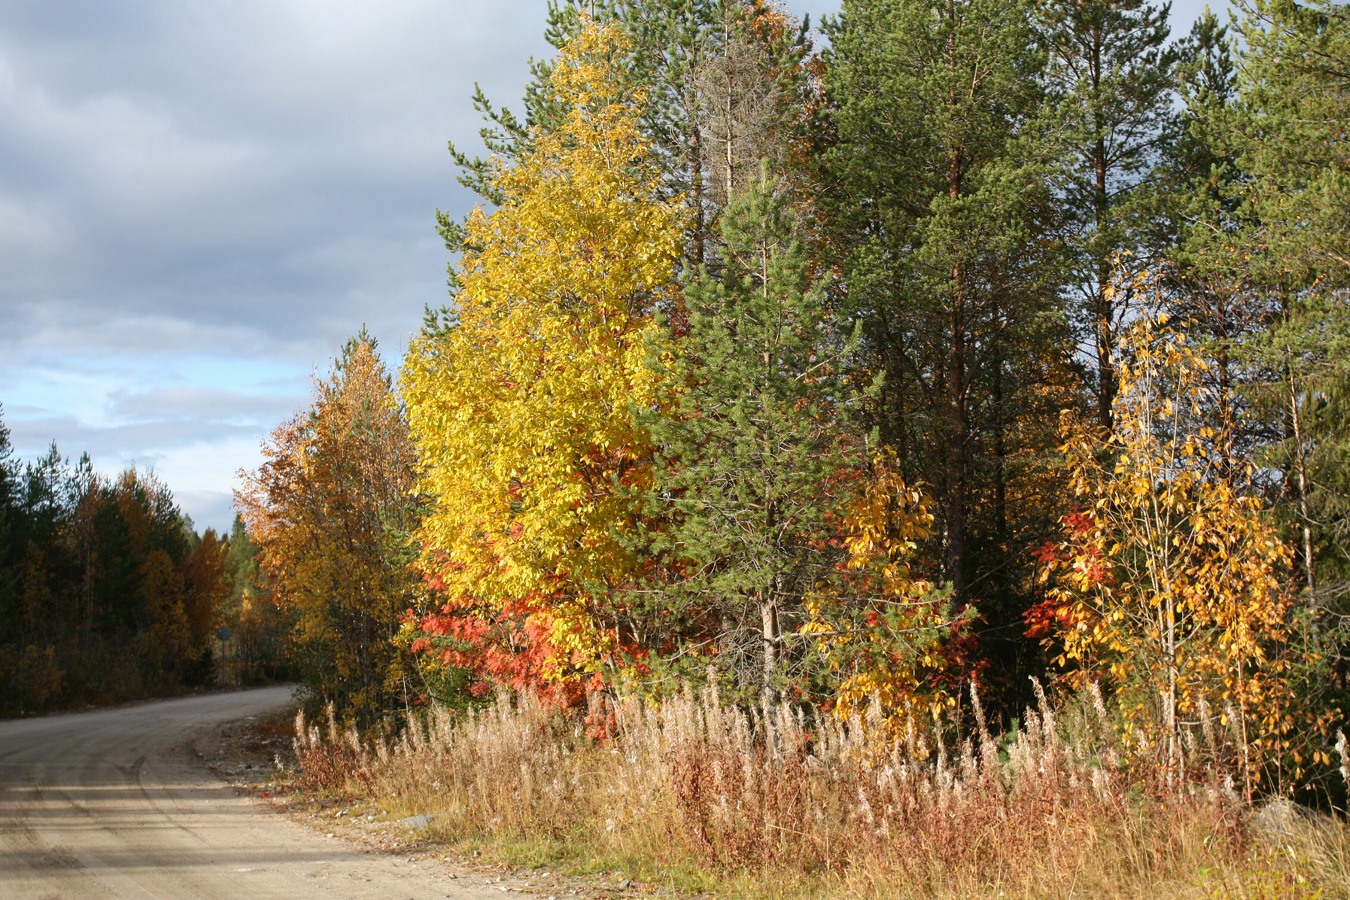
{"x": 690, "y": 796}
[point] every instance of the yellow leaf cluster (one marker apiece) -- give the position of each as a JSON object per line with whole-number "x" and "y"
{"x": 323, "y": 508}
{"x": 880, "y": 630}
{"x": 525, "y": 409}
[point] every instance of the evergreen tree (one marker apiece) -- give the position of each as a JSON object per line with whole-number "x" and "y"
{"x": 750, "y": 450}
{"x": 722, "y": 77}
{"x": 1199, "y": 219}
{"x": 1293, "y": 111}
{"x": 258, "y": 649}
{"x": 1110, "y": 81}
{"x": 9, "y": 469}
{"x": 1286, "y": 132}
{"x": 95, "y": 604}
{"x": 718, "y": 76}
{"x": 949, "y": 261}
{"x": 9, "y": 509}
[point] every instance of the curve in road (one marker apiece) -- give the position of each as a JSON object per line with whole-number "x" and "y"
{"x": 112, "y": 804}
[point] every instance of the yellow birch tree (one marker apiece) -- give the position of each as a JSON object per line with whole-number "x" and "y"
{"x": 522, "y": 402}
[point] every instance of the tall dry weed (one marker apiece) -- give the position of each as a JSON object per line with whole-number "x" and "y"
{"x": 689, "y": 783}
{"x": 332, "y": 760}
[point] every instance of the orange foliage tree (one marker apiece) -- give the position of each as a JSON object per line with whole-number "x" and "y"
{"x": 1169, "y": 584}
{"x": 883, "y": 631}
{"x": 331, "y": 512}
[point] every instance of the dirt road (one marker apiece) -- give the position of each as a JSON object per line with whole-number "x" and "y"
{"x": 113, "y": 803}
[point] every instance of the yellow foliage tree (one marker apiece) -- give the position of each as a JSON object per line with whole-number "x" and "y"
{"x": 882, "y": 631}
{"x": 523, "y": 402}
{"x": 330, "y": 512}
{"x": 1169, "y": 584}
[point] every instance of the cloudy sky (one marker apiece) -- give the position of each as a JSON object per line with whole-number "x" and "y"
{"x": 200, "y": 200}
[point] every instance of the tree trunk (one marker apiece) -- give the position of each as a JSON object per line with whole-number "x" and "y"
{"x": 1102, "y": 313}
{"x": 957, "y": 424}
{"x": 772, "y": 637}
{"x": 699, "y": 244}
{"x": 1295, "y": 418}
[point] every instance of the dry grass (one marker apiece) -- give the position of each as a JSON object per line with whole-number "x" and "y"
{"x": 703, "y": 796}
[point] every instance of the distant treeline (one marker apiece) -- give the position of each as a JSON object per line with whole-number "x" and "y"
{"x": 107, "y": 593}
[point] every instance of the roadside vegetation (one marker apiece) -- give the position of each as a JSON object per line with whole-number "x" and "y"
{"x": 108, "y": 593}
{"x": 904, "y": 464}
{"x": 696, "y": 796}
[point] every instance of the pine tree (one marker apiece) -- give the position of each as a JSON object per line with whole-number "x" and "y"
{"x": 1286, "y": 132}
{"x": 942, "y": 214}
{"x": 719, "y": 79}
{"x": 756, "y": 449}
{"x": 1110, "y": 78}
{"x": 1293, "y": 109}
{"x": 1198, "y": 222}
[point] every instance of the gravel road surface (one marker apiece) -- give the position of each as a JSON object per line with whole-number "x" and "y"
{"x": 114, "y": 803}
